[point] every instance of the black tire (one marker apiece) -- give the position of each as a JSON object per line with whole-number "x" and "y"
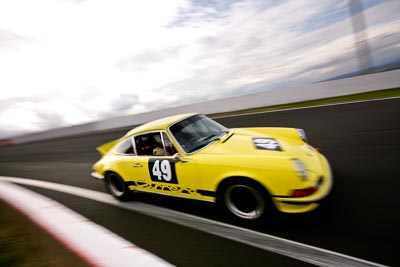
{"x": 245, "y": 200}
{"x": 116, "y": 186}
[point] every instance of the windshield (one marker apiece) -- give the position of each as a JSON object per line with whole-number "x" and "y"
{"x": 196, "y": 132}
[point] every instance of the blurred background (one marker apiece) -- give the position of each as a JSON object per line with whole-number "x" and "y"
{"x": 71, "y": 62}
{"x": 67, "y": 62}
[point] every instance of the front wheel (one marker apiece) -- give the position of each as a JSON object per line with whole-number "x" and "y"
{"x": 116, "y": 186}
{"x": 245, "y": 200}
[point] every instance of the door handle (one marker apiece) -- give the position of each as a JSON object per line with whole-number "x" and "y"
{"x": 137, "y": 165}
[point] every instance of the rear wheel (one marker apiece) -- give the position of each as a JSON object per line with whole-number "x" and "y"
{"x": 116, "y": 186}
{"x": 245, "y": 200}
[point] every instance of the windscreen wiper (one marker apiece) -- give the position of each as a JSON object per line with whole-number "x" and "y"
{"x": 229, "y": 136}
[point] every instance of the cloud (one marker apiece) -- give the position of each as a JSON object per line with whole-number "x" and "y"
{"x": 89, "y": 60}
{"x": 9, "y": 40}
{"x": 124, "y": 102}
{"x": 14, "y": 101}
{"x": 49, "y": 120}
{"x": 250, "y": 46}
{"x": 144, "y": 60}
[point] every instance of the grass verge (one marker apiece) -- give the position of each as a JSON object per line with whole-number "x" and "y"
{"x": 332, "y": 100}
{"x": 23, "y": 243}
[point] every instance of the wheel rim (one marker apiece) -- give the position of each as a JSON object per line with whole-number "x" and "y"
{"x": 244, "y": 201}
{"x": 116, "y": 185}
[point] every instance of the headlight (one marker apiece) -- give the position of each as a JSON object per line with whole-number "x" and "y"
{"x": 267, "y": 144}
{"x": 300, "y": 169}
{"x": 302, "y": 134}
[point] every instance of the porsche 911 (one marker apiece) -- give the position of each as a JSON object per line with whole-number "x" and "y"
{"x": 250, "y": 172}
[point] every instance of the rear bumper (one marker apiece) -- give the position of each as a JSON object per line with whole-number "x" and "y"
{"x": 97, "y": 176}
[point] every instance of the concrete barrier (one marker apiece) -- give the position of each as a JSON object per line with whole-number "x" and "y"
{"x": 348, "y": 86}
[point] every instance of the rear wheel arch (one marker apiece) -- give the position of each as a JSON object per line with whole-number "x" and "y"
{"x": 109, "y": 172}
{"x": 116, "y": 185}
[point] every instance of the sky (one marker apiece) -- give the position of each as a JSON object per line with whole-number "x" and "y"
{"x": 68, "y": 62}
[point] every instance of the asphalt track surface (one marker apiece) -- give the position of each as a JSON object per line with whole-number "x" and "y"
{"x": 360, "y": 218}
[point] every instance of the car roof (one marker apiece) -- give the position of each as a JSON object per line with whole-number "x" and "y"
{"x": 160, "y": 124}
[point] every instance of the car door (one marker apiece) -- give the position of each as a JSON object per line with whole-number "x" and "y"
{"x": 123, "y": 154}
{"x": 160, "y": 171}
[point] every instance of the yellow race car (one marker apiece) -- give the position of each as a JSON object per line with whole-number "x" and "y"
{"x": 250, "y": 171}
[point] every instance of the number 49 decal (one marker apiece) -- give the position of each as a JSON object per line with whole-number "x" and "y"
{"x": 162, "y": 170}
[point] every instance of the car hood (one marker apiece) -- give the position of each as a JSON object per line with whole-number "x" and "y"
{"x": 242, "y": 141}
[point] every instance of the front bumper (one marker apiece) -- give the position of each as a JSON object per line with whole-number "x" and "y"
{"x": 310, "y": 202}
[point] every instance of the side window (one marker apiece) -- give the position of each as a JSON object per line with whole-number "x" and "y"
{"x": 149, "y": 144}
{"x": 125, "y": 147}
{"x": 169, "y": 147}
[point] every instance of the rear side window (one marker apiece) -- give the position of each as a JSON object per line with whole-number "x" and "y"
{"x": 125, "y": 147}
{"x": 149, "y": 144}
{"x": 154, "y": 144}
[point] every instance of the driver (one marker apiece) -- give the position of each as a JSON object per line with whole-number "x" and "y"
{"x": 158, "y": 149}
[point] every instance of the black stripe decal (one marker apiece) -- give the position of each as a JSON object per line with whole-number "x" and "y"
{"x": 207, "y": 193}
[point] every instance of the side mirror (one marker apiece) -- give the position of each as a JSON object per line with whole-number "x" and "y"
{"x": 178, "y": 157}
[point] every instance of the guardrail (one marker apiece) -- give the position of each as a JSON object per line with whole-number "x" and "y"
{"x": 348, "y": 86}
